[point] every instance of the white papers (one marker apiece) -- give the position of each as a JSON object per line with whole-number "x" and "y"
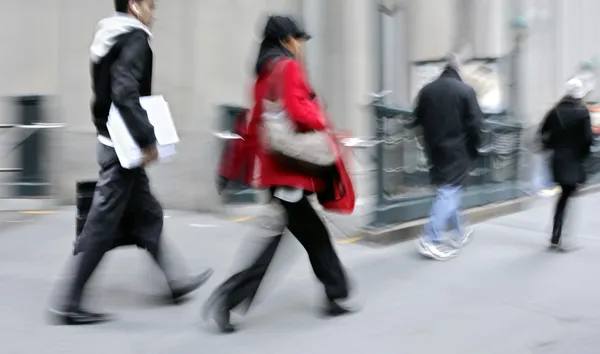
{"x": 159, "y": 115}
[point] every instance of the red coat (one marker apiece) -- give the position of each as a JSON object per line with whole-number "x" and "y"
{"x": 301, "y": 106}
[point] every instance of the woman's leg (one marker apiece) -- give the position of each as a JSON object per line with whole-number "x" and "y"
{"x": 306, "y": 225}
{"x": 560, "y": 211}
{"x": 241, "y": 287}
{"x": 244, "y": 285}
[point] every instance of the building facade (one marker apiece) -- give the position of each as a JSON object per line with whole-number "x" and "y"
{"x": 204, "y": 51}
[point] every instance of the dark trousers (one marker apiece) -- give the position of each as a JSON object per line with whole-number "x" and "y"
{"x": 119, "y": 192}
{"x": 561, "y": 210}
{"x": 304, "y": 223}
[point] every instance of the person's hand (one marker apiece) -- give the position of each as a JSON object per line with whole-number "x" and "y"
{"x": 149, "y": 155}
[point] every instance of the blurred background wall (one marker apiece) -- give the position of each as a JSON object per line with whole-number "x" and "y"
{"x": 204, "y": 52}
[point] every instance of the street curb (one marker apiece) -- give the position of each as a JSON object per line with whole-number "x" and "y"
{"x": 412, "y": 229}
{"x": 590, "y": 189}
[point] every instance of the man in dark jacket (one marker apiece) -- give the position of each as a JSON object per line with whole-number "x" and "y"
{"x": 121, "y": 73}
{"x": 449, "y": 113}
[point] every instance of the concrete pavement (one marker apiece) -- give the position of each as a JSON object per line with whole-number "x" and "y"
{"x": 504, "y": 294}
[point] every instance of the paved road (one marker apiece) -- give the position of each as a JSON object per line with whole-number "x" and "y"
{"x": 504, "y": 294}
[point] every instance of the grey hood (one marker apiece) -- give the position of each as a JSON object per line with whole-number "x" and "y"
{"x": 109, "y": 29}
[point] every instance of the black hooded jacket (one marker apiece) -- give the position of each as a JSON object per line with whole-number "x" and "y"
{"x": 449, "y": 113}
{"x": 121, "y": 73}
{"x": 567, "y": 132}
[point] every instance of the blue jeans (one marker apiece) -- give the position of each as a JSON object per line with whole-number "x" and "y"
{"x": 445, "y": 209}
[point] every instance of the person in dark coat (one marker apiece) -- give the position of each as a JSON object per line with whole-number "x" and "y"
{"x": 121, "y": 60}
{"x": 567, "y": 133}
{"x": 449, "y": 114}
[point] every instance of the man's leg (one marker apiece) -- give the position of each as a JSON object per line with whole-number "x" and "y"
{"x": 462, "y": 234}
{"x": 99, "y": 233}
{"x": 431, "y": 244}
{"x": 147, "y": 227}
{"x": 457, "y": 223}
{"x": 456, "y": 220}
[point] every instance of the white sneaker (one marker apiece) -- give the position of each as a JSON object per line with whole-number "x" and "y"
{"x": 437, "y": 251}
{"x": 462, "y": 240}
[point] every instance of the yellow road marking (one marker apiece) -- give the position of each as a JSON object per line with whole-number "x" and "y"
{"x": 38, "y": 212}
{"x": 348, "y": 241}
{"x": 245, "y": 218}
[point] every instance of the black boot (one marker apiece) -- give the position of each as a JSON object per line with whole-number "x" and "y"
{"x": 556, "y": 234}
{"x": 222, "y": 317}
{"x": 77, "y": 316}
{"x": 334, "y": 309}
{"x": 557, "y": 243}
{"x": 215, "y": 309}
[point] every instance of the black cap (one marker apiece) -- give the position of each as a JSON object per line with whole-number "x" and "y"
{"x": 280, "y": 27}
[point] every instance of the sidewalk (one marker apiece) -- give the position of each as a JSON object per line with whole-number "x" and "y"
{"x": 504, "y": 294}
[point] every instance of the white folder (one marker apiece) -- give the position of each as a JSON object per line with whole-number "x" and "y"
{"x": 159, "y": 115}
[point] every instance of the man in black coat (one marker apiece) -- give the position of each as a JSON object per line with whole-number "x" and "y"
{"x": 121, "y": 73}
{"x": 449, "y": 114}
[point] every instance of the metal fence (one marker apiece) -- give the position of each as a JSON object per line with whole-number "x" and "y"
{"x": 404, "y": 192}
{"x": 402, "y": 170}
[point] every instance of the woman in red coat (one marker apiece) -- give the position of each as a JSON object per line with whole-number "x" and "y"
{"x": 279, "y": 69}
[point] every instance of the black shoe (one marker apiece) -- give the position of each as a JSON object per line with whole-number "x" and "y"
{"x": 181, "y": 290}
{"x": 562, "y": 247}
{"x": 222, "y": 317}
{"x": 555, "y": 240}
{"x": 215, "y": 310}
{"x": 78, "y": 317}
{"x": 334, "y": 309}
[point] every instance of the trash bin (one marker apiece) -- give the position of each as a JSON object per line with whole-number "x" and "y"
{"x": 84, "y": 199}
{"x": 236, "y": 192}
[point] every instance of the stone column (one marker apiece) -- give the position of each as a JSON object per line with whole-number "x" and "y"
{"x": 490, "y": 36}
{"x": 341, "y": 63}
{"x": 357, "y": 67}
{"x": 358, "y": 62}
{"x": 401, "y": 39}
{"x": 434, "y": 28}
{"x": 313, "y": 16}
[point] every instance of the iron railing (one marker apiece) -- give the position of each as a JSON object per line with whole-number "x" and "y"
{"x": 404, "y": 192}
